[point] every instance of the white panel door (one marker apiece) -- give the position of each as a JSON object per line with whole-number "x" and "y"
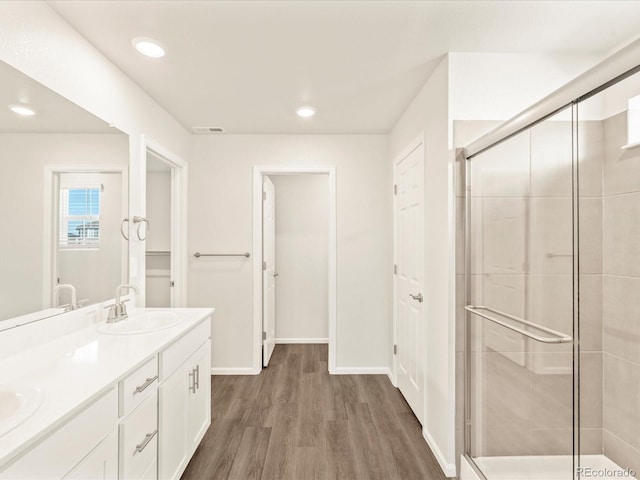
{"x": 268, "y": 270}
{"x": 410, "y": 321}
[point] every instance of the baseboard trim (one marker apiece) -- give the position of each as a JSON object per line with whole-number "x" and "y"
{"x": 449, "y": 469}
{"x": 390, "y": 375}
{"x": 234, "y": 371}
{"x": 359, "y": 371}
{"x": 301, "y": 340}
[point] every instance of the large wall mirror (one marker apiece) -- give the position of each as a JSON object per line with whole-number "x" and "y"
{"x": 63, "y": 199}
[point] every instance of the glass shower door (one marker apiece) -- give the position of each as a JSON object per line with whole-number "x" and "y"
{"x": 521, "y": 284}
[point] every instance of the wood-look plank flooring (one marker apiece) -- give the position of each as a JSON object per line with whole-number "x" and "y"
{"x": 295, "y": 421}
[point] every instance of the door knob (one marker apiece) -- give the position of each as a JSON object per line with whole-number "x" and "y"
{"x": 276, "y": 274}
{"x": 417, "y": 297}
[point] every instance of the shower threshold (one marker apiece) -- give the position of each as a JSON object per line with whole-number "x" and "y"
{"x": 546, "y": 467}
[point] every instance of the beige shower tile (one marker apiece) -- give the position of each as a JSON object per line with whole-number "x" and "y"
{"x": 551, "y": 159}
{"x": 498, "y": 235}
{"x": 551, "y": 238}
{"x": 552, "y": 390}
{"x": 557, "y": 441}
{"x": 591, "y": 398}
{"x": 621, "y": 235}
{"x": 622, "y": 317}
{"x": 591, "y": 316}
{"x": 591, "y": 441}
{"x": 591, "y": 235}
{"x": 502, "y": 410}
{"x": 504, "y": 293}
{"x": 622, "y": 453}
{"x": 502, "y": 171}
{"x": 622, "y": 399}
{"x": 621, "y": 167}
{"x": 551, "y": 305}
{"x": 591, "y": 157}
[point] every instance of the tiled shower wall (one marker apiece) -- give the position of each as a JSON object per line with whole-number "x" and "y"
{"x": 621, "y": 295}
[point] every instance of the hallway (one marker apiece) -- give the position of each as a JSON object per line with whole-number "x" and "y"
{"x": 295, "y": 421}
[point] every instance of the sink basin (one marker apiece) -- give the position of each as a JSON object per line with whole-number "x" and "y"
{"x": 138, "y": 323}
{"x": 17, "y": 403}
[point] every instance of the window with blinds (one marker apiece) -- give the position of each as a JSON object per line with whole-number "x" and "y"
{"x": 80, "y": 218}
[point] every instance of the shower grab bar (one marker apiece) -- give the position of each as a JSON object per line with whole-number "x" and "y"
{"x": 198, "y": 254}
{"x": 559, "y": 337}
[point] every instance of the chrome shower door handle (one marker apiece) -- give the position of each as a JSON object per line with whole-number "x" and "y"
{"x": 417, "y": 297}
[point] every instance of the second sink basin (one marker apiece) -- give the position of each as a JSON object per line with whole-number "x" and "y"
{"x": 17, "y": 403}
{"x": 138, "y": 323}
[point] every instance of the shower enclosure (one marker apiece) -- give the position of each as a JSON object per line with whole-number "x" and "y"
{"x": 552, "y": 273}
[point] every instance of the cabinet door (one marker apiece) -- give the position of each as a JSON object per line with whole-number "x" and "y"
{"x": 199, "y": 411}
{"x": 172, "y": 435}
{"x": 101, "y": 463}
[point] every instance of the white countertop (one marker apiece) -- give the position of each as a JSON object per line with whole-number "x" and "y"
{"x": 74, "y": 369}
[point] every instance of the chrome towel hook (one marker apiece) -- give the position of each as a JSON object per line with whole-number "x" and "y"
{"x": 140, "y": 220}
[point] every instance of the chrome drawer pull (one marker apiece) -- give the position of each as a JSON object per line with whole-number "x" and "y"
{"x": 144, "y": 386}
{"x": 192, "y": 376}
{"x": 197, "y": 381}
{"x": 148, "y": 437}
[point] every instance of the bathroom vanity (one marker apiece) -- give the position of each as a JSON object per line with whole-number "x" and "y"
{"x": 92, "y": 400}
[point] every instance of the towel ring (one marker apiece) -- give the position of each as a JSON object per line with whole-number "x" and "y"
{"x": 124, "y": 235}
{"x": 140, "y": 221}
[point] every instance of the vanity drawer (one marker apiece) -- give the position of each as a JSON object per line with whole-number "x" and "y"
{"x": 138, "y": 386}
{"x": 178, "y": 352}
{"x": 139, "y": 440}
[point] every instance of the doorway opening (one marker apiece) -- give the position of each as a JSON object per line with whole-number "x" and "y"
{"x": 164, "y": 228}
{"x": 294, "y": 245}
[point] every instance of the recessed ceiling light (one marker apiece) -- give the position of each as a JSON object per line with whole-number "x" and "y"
{"x": 306, "y": 112}
{"x": 148, "y": 47}
{"x": 22, "y": 110}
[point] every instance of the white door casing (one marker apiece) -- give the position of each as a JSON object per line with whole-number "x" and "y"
{"x": 409, "y": 292}
{"x": 268, "y": 270}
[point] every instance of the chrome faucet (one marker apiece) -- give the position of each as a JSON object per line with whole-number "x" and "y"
{"x": 66, "y": 286}
{"x": 118, "y": 311}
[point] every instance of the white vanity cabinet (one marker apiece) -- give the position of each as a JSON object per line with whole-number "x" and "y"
{"x": 185, "y": 399}
{"x": 84, "y": 447}
{"x": 144, "y": 420}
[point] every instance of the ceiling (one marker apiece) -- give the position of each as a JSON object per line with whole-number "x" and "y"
{"x": 55, "y": 114}
{"x": 246, "y": 66}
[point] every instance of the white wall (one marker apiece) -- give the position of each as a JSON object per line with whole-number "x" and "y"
{"x": 220, "y": 220}
{"x": 302, "y": 253}
{"x": 429, "y": 113}
{"x": 22, "y": 205}
{"x": 35, "y": 40}
{"x": 497, "y": 86}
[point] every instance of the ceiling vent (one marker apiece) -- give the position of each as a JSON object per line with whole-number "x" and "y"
{"x": 206, "y": 130}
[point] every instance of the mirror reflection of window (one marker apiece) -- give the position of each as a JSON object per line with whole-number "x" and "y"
{"x": 80, "y": 217}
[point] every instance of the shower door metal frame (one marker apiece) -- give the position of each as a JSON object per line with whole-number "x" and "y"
{"x": 612, "y": 70}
